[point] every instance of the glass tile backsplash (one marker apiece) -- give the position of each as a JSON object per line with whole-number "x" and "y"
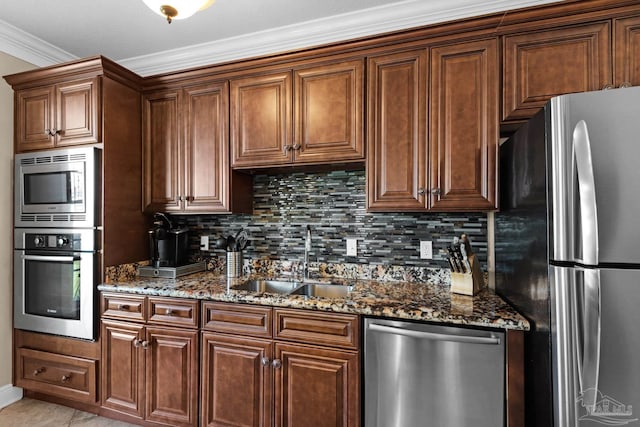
{"x": 334, "y": 205}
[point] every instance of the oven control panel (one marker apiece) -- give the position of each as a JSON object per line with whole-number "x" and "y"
{"x": 51, "y": 241}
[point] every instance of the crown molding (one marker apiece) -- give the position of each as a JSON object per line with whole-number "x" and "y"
{"x": 22, "y": 45}
{"x": 391, "y": 17}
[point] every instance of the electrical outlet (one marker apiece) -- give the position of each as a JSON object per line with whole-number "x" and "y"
{"x": 352, "y": 247}
{"x": 426, "y": 249}
{"x": 204, "y": 243}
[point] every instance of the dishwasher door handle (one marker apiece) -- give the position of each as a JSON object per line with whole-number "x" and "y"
{"x": 468, "y": 339}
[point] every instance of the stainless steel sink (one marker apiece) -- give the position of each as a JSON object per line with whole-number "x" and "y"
{"x": 323, "y": 290}
{"x": 267, "y": 286}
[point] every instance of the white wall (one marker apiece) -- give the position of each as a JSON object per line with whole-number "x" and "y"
{"x": 8, "y": 65}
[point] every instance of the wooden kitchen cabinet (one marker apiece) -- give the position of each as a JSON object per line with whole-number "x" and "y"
{"x": 261, "y": 373}
{"x": 464, "y": 133}
{"x": 325, "y": 104}
{"x": 626, "y": 51}
{"x": 58, "y": 115}
{"x": 62, "y": 367}
{"x": 397, "y": 126}
{"x": 433, "y": 131}
{"x": 150, "y": 367}
{"x": 186, "y": 152}
{"x": 541, "y": 64}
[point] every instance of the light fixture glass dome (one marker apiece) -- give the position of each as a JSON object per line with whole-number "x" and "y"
{"x": 177, "y": 9}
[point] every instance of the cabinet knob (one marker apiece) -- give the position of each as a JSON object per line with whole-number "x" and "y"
{"x": 169, "y": 312}
{"x": 137, "y": 343}
{"x": 38, "y": 371}
{"x": 144, "y": 344}
{"x": 123, "y": 307}
{"x": 436, "y": 192}
{"x": 625, "y": 84}
{"x": 277, "y": 363}
{"x": 421, "y": 191}
{"x": 297, "y": 146}
{"x": 265, "y": 361}
{"x": 190, "y": 198}
{"x": 287, "y": 147}
{"x": 52, "y": 132}
{"x": 608, "y": 86}
{"x": 65, "y": 378}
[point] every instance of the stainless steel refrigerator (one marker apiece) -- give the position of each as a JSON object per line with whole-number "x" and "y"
{"x": 567, "y": 240}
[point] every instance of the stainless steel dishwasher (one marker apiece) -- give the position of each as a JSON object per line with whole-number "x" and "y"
{"x": 424, "y": 375}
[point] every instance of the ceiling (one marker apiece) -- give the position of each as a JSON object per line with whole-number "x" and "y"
{"x": 126, "y": 31}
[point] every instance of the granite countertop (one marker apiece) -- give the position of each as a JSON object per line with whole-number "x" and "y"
{"x": 397, "y": 300}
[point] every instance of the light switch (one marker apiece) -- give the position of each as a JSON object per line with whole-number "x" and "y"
{"x": 204, "y": 243}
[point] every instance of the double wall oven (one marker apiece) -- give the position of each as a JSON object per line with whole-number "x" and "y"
{"x": 57, "y": 241}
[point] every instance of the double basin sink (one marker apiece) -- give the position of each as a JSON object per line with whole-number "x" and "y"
{"x": 308, "y": 289}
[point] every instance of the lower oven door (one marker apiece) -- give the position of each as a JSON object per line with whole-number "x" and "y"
{"x": 54, "y": 292}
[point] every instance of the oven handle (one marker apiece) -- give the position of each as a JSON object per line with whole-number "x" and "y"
{"x": 49, "y": 258}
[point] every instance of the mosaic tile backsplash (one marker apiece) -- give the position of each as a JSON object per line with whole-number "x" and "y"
{"x": 334, "y": 205}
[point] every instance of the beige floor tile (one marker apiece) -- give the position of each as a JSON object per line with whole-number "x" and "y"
{"x": 35, "y": 413}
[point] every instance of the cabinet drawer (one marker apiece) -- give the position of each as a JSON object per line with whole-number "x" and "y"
{"x": 340, "y": 330}
{"x": 237, "y": 319}
{"x": 124, "y": 306}
{"x": 173, "y": 312}
{"x": 51, "y": 373}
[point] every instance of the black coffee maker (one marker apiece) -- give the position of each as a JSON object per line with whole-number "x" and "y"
{"x": 168, "y": 245}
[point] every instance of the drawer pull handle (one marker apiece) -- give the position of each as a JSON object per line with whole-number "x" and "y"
{"x": 38, "y": 371}
{"x": 145, "y": 344}
{"x": 123, "y": 307}
{"x": 265, "y": 361}
{"x": 169, "y": 312}
{"x": 65, "y": 378}
{"x": 277, "y": 363}
{"x": 137, "y": 343}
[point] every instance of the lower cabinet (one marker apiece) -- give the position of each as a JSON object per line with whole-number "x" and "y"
{"x": 150, "y": 367}
{"x": 255, "y": 373}
{"x": 57, "y": 366}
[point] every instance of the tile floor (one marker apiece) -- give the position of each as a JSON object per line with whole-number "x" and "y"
{"x": 35, "y": 413}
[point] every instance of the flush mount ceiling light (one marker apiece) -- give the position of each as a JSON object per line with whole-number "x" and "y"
{"x": 177, "y": 9}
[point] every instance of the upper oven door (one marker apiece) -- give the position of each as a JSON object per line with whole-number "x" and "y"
{"x": 57, "y": 188}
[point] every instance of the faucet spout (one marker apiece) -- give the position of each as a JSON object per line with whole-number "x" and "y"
{"x": 307, "y": 249}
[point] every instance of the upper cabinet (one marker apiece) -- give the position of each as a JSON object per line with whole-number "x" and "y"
{"x": 626, "y": 49}
{"x": 542, "y": 64}
{"x": 463, "y": 126}
{"x": 58, "y": 115}
{"x": 433, "y": 135}
{"x": 186, "y": 152}
{"x": 308, "y": 116}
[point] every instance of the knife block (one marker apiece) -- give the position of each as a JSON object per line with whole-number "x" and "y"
{"x": 468, "y": 283}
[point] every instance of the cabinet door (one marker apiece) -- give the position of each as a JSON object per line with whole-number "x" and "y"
{"x": 397, "y": 144}
{"x": 626, "y": 48}
{"x": 261, "y": 120}
{"x": 207, "y": 148}
{"x": 540, "y": 65}
{"x": 122, "y": 373}
{"x": 161, "y": 154}
{"x": 34, "y": 118}
{"x": 328, "y": 113}
{"x": 463, "y": 139}
{"x": 236, "y": 381}
{"x": 77, "y": 111}
{"x": 316, "y": 387}
{"x": 172, "y": 376}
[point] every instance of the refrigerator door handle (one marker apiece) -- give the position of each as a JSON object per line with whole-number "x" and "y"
{"x": 587, "y": 192}
{"x": 588, "y": 350}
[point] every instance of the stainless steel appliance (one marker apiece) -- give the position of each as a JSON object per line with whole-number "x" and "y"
{"x": 58, "y": 188}
{"x": 419, "y": 374}
{"x": 567, "y": 258}
{"x": 168, "y": 245}
{"x": 55, "y": 275}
